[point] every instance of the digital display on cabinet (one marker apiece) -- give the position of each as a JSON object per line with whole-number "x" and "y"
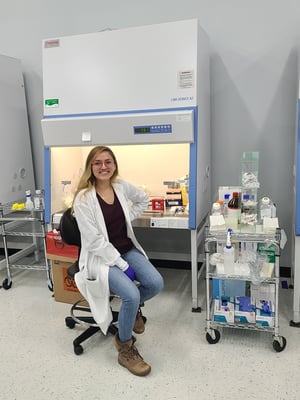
{"x": 152, "y": 129}
{"x": 145, "y": 129}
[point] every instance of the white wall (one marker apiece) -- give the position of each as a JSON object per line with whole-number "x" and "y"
{"x": 253, "y": 75}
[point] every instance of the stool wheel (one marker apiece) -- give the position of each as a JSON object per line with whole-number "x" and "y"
{"x": 70, "y": 323}
{"x": 78, "y": 349}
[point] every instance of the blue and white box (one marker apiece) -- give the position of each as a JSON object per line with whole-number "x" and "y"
{"x": 265, "y": 313}
{"x": 224, "y": 309}
{"x": 264, "y": 297}
{"x": 244, "y": 310}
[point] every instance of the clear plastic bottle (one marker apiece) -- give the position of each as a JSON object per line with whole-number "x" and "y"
{"x": 221, "y": 202}
{"x": 216, "y": 209}
{"x": 29, "y": 203}
{"x": 248, "y": 214}
{"x": 265, "y": 209}
{"x": 39, "y": 200}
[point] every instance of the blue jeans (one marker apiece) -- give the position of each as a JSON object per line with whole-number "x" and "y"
{"x": 132, "y": 296}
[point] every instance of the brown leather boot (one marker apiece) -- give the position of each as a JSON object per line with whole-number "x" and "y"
{"x": 139, "y": 325}
{"x": 118, "y": 344}
{"x": 130, "y": 358}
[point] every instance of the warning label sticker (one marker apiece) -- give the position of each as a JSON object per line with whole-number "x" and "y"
{"x": 186, "y": 79}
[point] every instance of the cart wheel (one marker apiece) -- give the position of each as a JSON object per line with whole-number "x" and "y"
{"x": 78, "y": 349}
{"x": 6, "y": 284}
{"x": 279, "y": 345}
{"x": 215, "y": 338}
{"x": 70, "y": 323}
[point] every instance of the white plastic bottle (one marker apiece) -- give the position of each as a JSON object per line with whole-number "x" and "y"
{"x": 29, "y": 203}
{"x": 39, "y": 200}
{"x": 216, "y": 209}
{"x": 228, "y": 255}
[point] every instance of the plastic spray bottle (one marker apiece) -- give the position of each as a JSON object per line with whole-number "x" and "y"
{"x": 29, "y": 203}
{"x": 228, "y": 255}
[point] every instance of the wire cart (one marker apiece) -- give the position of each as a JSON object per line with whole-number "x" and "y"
{"x": 30, "y": 226}
{"x": 213, "y": 322}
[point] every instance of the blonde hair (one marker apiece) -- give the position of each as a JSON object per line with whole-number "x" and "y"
{"x": 87, "y": 180}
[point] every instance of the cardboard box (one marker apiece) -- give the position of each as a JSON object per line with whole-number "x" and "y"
{"x": 65, "y": 289}
{"x": 56, "y": 247}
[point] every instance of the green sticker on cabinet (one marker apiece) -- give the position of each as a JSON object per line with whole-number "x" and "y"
{"x": 51, "y": 102}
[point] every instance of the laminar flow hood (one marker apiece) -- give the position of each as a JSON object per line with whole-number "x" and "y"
{"x": 140, "y": 85}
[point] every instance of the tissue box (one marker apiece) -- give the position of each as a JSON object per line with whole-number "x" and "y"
{"x": 263, "y": 296}
{"x": 265, "y": 313}
{"x": 224, "y": 309}
{"x": 244, "y": 311}
{"x": 267, "y": 250}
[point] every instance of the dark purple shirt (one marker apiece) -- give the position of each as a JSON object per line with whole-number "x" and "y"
{"x": 115, "y": 224}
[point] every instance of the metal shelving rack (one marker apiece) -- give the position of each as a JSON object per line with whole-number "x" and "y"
{"x": 24, "y": 224}
{"x": 211, "y": 240}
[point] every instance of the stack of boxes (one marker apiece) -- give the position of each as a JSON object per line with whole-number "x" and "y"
{"x": 232, "y": 304}
{"x": 62, "y": 256}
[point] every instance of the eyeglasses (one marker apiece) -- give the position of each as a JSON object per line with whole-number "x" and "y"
{"x": 106, "y": 163}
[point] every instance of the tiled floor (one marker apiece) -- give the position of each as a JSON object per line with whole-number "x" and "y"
{"x": 38, "y": 363}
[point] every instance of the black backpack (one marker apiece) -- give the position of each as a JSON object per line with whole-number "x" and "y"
{"x": 69, "y": 230}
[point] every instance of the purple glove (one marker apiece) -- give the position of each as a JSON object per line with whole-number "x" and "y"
{"x": 130, "y": 273}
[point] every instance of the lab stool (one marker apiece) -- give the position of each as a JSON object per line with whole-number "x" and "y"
{"x": 85, "y": 318}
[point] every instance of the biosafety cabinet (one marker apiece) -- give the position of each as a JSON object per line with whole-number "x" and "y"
{"x": 16, "y": 167}
{"x": 145, "y": 92}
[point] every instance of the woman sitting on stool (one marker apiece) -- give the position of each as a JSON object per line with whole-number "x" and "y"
{"x": 104, "y": 207}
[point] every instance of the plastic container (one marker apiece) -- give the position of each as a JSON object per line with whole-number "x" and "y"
{"x": 221, "y": 202}
{"x": 184, "y": 195}
{"x": 248, "y": 213}
{"x": 29, "y": 203}
{"x": 216, "y": 209}
{"x": 38, "y": 200}
{"x": 265, "y": 208}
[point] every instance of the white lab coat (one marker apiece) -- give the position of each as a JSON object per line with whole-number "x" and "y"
{"x": 97, "y": 253}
